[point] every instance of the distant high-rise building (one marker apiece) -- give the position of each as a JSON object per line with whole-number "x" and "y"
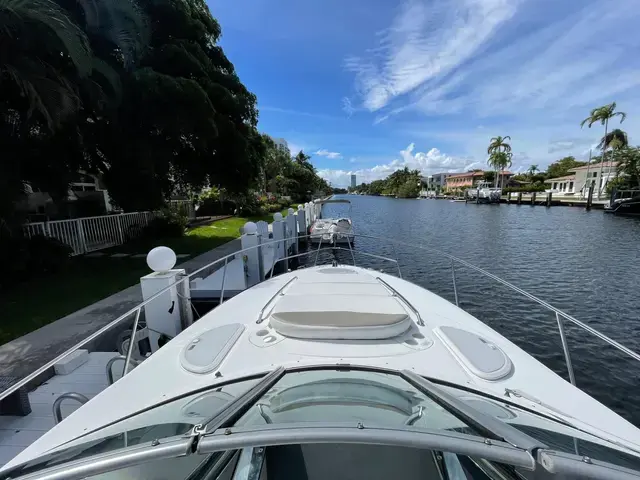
{"x": 353, "y": 181}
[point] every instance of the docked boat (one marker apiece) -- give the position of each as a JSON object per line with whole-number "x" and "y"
{"x": 624, "y": 203}
{"x": 484, "y": 193}
{"x": 332, "y": 230}
{"x": 343, "y": 372}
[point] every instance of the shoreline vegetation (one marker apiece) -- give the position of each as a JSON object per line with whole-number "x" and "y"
{"x": 614, "y": 146}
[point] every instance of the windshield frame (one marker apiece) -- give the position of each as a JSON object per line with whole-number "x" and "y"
{"x": 502, "y": 442}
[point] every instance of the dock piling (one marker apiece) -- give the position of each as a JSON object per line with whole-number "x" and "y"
{"x": 549, "y": 196}
{"x": 533, "y": 198}
{"x": 302, "y": 224}
{"x": 519, "y": 198}
{"x": 589, "y": 197}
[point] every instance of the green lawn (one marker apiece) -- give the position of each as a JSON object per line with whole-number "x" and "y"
{"x": 33, "y": 304}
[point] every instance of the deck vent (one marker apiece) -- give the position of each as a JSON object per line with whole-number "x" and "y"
{"x": 205, "y": 353}
{"x": 480, "y": 356}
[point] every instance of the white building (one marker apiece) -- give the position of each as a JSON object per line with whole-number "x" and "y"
{"x": 435, "y": 183}
{"x": 353, "y": 181}
{"x": 579, "y": 180}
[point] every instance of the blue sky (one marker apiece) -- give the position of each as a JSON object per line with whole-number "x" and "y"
{"x": 370, "y": 86}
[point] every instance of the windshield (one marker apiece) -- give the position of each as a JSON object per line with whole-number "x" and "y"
{"x": 371, "y": 398}
{"x": 557, "y": 436}
{"x": 337, "y": 400}
{"x": 171, "y": 419}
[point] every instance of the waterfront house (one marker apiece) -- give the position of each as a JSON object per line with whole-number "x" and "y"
{"x": 469, "y": 179}
{"x": 435, "y": 183}
{"x": 579, "y": 180}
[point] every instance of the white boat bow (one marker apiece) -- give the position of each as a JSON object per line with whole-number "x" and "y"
{"x": 333, "y": 355}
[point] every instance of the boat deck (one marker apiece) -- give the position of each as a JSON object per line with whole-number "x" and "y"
{"x": 89, "y": 379}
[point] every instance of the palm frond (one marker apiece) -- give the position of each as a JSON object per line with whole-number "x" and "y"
{"x": 49, "y": 14}
{"x": 49, "y": 94}
{"x": 623, "y": 116}
{"x": 122, "y": 22}
{"x": 103, "y": 69}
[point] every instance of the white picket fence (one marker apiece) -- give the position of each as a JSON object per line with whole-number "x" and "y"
{"x": 89, "y": 234}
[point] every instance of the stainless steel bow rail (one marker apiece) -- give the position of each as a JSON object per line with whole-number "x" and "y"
{"x": 354, "y": 253}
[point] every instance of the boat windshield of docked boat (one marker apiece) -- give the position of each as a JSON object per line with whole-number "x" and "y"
{"x": 333, "y": 370}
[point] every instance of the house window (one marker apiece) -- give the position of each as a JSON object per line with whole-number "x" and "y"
{"x": 570, "y": 186}
{"x": 555, "y": 185}
{"x": 595, "y": 174}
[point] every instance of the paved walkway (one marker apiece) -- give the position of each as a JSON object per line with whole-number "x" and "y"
{"x": 26, "y": 354}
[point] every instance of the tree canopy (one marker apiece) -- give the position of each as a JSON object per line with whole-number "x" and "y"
{"x": 562, "y": 167}
{"x": 402, "y": 183}
{"x": 137, "y": 92}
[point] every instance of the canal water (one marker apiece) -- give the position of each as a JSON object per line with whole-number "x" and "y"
{"x": 584, "y": 263}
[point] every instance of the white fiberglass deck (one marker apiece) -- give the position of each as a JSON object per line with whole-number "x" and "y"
{"x": 439, "y": 341}
{"x": 17, "y": 433}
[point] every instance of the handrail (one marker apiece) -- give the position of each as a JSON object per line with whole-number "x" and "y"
{"x": 395, "y": 293}
{"x": 275, "y": 295}
{"x": 57, "y": 405}
{"x": 312, "y": 433}
{"x": 4, "y": 394}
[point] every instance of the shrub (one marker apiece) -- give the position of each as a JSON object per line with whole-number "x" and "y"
{"x": 212, "y": 207}
{"x": 273, "y": 207}
{"x": 169, "y": 224}
{"x": 48, "y": 254}
{"x": 23, "y": 258}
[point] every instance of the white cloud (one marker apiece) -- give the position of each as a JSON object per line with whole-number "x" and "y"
{"x": 347, "y": 106}
{"x": 426, "y": 40}
{"x": 326, "y": 153}
{"x": 429, "y": 162}
{"x": 502, "y": 57}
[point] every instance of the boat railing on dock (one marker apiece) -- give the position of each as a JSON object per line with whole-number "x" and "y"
{"x": 139, "y": 320}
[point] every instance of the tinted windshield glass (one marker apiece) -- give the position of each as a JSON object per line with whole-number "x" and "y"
{"x": 168, "y": 420}
{"x": 558, "y": 436}
{"x": 349, "y": 396}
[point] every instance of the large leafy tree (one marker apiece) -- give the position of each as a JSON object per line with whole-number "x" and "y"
{"x": 52, "y": 81}
{"x": 628, "y": 169}
{"x": 603, "y": 115}
{"x": 138, "y": 92}
{"x": 562, "y": 167}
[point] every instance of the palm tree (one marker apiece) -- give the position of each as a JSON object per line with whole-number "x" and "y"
{"x": 501, "y": 161}
{"x": 615, "y": 139}
{"x": 498, "y": 145}
{"x": 603, "y": 115}
{"x": 45, "y": 52}
{"x": 532, "y": 170}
